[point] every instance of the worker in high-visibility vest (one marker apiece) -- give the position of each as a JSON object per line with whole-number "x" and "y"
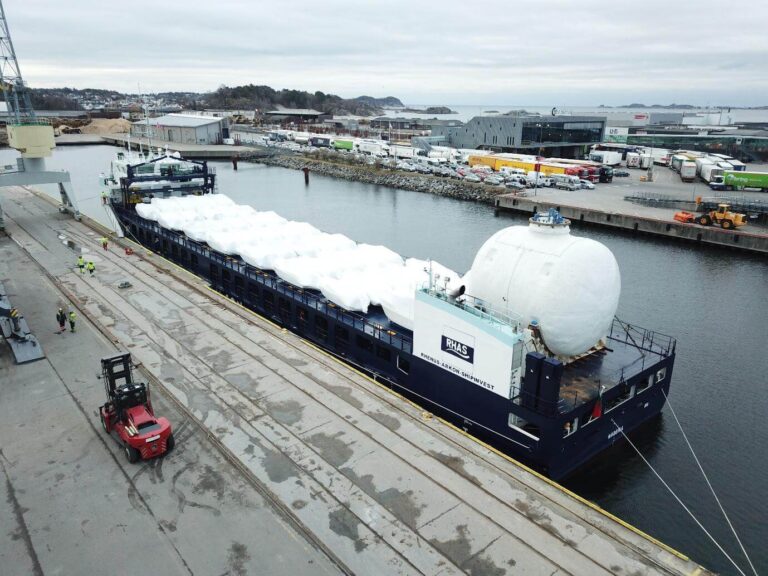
{"x": 104, "y": 197}
{"x": 91, "y": 267}
{"x": 81, "y": 264}
{"x": 104, "y": 242}
{"x": 72, "y": 318}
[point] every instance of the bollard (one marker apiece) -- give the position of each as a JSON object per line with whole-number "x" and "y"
{"x": 306, "y": 175}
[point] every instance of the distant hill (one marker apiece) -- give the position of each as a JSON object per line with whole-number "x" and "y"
{"x": 386, "y": 102}
{"x": 247, "y": 97}
{"x": 267, "y": 98}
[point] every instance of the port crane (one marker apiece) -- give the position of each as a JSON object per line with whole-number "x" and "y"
{"x": 33, "y": 138}
{"x": 30, "y": 135}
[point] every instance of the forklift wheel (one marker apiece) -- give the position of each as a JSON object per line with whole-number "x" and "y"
{"x": 131, "y": 454}
{"x": 170, "y": 443}
{"x": 726, "y": 224}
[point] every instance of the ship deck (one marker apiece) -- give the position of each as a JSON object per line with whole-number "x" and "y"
{"x": 358, "y": 473}
{"x": 607, "y": 367}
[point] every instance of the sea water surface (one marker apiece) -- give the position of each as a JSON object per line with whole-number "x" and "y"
{"x": 714, "y": 301}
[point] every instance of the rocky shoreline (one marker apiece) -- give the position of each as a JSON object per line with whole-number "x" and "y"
{"x": 387, "y": 177}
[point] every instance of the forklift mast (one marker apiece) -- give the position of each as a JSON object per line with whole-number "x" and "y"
{"x": 122, "y": 391}
{"x": 116, "y": 371}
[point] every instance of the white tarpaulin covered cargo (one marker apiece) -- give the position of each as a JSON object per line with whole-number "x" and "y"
{"x": 349, "y": 274}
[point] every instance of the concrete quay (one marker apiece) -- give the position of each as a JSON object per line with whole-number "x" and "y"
{"x": 605, "y": 206}
{"x": 70, "y": 503}
{"x": 369, "y": 480}
{"x": 633, "y": 218}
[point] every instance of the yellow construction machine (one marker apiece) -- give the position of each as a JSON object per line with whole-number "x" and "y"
{"x": 723, "y": 216}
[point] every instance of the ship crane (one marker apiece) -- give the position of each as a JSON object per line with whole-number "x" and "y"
{"x": 30, "y": 135}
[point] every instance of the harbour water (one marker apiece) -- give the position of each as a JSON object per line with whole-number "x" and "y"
{"x": 713, "y": 301}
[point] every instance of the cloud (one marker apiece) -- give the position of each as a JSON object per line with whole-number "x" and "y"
{"x": 587, "y": 52}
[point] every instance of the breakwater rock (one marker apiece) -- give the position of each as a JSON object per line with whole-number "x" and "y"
{"x": 382, "y": 176}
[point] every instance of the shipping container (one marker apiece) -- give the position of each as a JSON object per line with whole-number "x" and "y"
{"x": 688, "y": 171}
{"x": 710, "y": 172}
{"x": 343, "y": 144}
{"x": 606, "y": 157}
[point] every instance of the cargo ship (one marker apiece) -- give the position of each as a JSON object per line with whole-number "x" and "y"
{"x": 523, "y": 352}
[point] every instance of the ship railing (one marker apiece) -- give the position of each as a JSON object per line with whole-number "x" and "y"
{"x": 642, "y": 338}
{"x": 477, "y": 307}
{"x": 536, "y": 404}
{"x": 315, "y": 302}
{"x": 382, "y": 333}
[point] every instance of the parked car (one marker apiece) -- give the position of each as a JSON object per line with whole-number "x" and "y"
{"x": 586, "y": 185}
{"x": 494, "y": 180}
{"x": 515, "y": 185}
{"x": 621, "y": 173}
{"x": 472, "y": 178}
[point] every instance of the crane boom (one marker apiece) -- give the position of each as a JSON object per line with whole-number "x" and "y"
{"x": 16, "y": 94}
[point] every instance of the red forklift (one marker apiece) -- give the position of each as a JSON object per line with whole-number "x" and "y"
{"x": 128, "y": 414}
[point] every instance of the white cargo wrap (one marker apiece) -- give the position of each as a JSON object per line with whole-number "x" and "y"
{"x": 349, "y": 274}
{"x": 569, "y": 285}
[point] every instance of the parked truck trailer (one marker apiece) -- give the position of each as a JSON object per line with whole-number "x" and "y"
{"x": 737, "y": 180}
{"x": 688, "y": 171}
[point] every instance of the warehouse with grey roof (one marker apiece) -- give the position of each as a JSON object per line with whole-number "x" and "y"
{"x": 183, "y": 128}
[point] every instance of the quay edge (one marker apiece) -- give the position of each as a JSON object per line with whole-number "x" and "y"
{"x": 712, "y": 236}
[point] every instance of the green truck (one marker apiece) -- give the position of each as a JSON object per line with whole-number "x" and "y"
{"x": 733, "y": 180}
{"x": 343, "y": 144}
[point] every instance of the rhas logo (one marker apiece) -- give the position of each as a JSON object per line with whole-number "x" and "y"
{"x": 456, "y": 348}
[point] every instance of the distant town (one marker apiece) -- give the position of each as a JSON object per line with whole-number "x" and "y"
{"x": 248, "y": 97}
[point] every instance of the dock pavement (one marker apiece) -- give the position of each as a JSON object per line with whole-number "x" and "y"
{"x": 375, "y": 484}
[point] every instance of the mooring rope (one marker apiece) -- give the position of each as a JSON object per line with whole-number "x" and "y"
{"x": 679, "y": 501}
{"x": 711, "y": 488}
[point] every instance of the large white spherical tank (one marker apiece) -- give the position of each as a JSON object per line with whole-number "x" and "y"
{"x": 569, "y": 285}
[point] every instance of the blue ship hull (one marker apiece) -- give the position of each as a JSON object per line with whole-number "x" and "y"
{"x": 555, "y": 441}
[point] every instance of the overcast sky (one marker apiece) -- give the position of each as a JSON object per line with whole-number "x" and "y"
{"x": 554, "y": 52}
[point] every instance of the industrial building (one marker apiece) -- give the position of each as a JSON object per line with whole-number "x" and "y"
{"x": 295, "y": 116}
{"x": 389, "y": 123}
{"x": 560, "y": 136}
{"x": 746, "y": 145}
{"x": 182, "y": 128}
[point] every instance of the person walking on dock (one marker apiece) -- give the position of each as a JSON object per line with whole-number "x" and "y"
{"x": 81, "y": 264}
{"x": 72, "y": 318}
{"x": 104, "y": 242}
{"x": 91, "y": 267}
{"x": 104, "y": 197}
{"x": 61, "y": 318}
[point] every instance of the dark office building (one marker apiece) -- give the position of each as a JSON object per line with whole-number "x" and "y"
{"x": 559, "y": 136}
